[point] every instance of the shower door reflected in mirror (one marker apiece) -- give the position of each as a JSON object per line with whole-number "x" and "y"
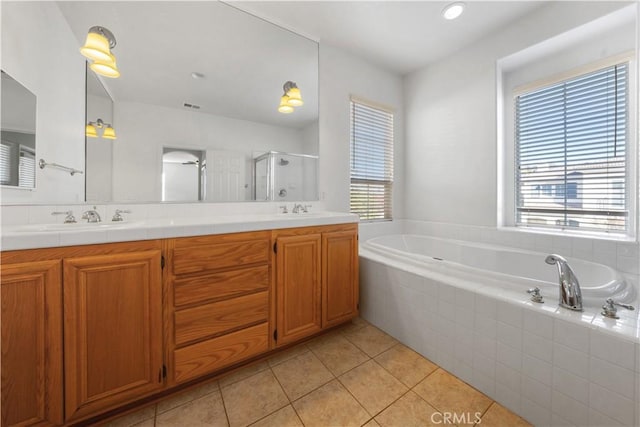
{"x": 18, "y": 131}
{"x": 286, "y": 176}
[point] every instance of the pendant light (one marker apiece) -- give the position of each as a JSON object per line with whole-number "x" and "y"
{"x": 284, "y": 107}
{"x": 293, "y": 92}
{"x": 109, "y": 133}
{"x": 291, "y": 98}
{"x": 107, "y": 69}
{"x": 91, "y": 130}
{"x": 97, "y": 48}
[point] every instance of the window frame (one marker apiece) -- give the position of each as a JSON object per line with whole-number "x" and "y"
{"x": 388, "y": 183}
{"x": 507, "y": 191}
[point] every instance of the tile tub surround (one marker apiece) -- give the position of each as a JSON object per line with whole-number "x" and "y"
{"x": 549, "y": 365}
{"x": 378, "y": 382}
{"x": 149, "y": 222}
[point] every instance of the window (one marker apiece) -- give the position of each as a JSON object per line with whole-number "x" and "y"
{"x": 572, "y": 137}
{"x": 27, "y": 168}
{"x": 6, "y": 169}
{"x": 371, "y": 162}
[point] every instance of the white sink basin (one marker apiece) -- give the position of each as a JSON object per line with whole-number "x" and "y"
{"x": 80, "y": 226}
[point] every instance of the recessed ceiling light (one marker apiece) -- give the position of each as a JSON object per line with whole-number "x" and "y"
{"x": 453, "y": 10}
{"x": 197, "y": 75}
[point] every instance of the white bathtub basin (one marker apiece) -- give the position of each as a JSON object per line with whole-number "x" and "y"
{"x": 517, "y": 269}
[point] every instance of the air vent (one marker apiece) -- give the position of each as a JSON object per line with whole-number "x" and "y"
{"x": 192, "y": 106}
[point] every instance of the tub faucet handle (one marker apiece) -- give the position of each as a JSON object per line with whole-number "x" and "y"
{"x": 609, "y": 308}
{"x": 117, "y": 216}
{"x": 69, "y": 218}
{"x": 535, "y": 295}
{"x": 284, "y": 209}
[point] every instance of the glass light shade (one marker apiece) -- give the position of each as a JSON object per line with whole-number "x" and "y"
{"x": 96, "y": 47}
{"x": 106, "y": 68}
{"x": 295, "y": 98}
{"x": 285, "y": 107}
{"x": 109, "y": 133}
{"x": 91, "y": 131}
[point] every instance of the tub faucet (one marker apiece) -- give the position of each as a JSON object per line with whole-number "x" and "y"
{"x": 91, "y": 216}
{"x": 570, "y": 293}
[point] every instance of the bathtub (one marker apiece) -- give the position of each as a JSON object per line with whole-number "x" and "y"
{"x": 504, "y": 268}
{"x": 464, "y": 306}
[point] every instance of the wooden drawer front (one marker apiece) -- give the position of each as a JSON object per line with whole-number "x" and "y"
{"x": 223, "y": 255}
{"x": 222, "y": 285}
{"x": 219, "y": 317}
{"x": 216, "y": 353}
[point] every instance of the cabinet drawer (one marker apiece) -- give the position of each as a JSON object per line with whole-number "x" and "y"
{"x": 208, "y": 356}
{"x": 219, "y": 286}
{"x": 212, "y": 319}
{"x": 200, "y": 258}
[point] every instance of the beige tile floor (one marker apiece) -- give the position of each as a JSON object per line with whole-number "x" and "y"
{"x": 354, "y": 376}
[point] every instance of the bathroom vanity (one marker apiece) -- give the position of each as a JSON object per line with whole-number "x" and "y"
{"x": 89, "y": 329}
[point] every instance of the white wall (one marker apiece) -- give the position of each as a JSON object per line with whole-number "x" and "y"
{"x": 451, "y": 138}
{"x": 144, "y": 129}
{"x": 40, "y": 51}
{"x": 343, "y": 75}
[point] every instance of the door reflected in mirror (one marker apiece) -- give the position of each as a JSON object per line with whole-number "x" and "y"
{"x": 18, "y": 135}
{"x": 184, "y": 175}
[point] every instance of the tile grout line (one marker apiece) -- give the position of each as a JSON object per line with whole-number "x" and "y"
{"x": 224, "y": 405}
{"x": 485, "y": 412}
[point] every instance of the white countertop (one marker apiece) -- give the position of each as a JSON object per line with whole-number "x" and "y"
{"x": 34, "y": 236}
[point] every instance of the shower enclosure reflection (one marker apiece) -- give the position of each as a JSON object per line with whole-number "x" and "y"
{"x": 283, "y": 176}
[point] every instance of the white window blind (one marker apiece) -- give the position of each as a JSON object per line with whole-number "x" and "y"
{"x": 6, "y": 156}
{"x": 371, "y": 162}
{"x": 571, "y": 153}
{"x": 27, "y": 168}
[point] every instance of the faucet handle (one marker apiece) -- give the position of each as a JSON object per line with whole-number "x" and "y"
{"x": 535, "y": 295}
{"x": 117, "y": 215}
{"x": 609, "y": 308}
{"x": 284, "y": 208}
{"x": 69, "y": 219}
{"x": 305, "y": 208}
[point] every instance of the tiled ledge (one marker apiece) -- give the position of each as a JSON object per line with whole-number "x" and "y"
{"x": 32, "y": 236}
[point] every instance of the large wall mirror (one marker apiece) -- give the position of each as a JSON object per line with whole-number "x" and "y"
{"x": 18, "y": 131}
{"x": 196, "y": 77}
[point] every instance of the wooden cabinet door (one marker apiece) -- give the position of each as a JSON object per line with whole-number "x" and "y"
{"x": 113, "y": 330}
{"x": 31, "y": 318}
{"x": 339, "y": 277}
{"x": 298, "y": 282}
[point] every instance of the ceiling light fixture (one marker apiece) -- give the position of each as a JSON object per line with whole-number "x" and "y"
{"x": 453, "y": 10}
{"x": 91, "y": 130}
{"x": 291, "y": 98}
{"x": 97, "y": 48}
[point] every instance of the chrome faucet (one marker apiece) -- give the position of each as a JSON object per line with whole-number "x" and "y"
{"x": 297, "y": 208}
{"x": 609, "y": 308}
{"x": 570, "y": 293}
{"x": 91, "y": 216}
{"x": 68, "y": 219}
{"x": 117, "y": 216}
